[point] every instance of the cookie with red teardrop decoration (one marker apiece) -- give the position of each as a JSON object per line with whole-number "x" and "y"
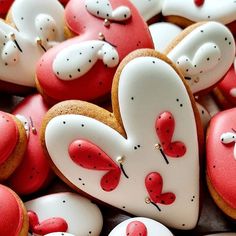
{"x": 185, "y": 13}
{"x": 140, "y": 226}
{"x": 221, "y": 160}
{"x": 64, "y": 212}
{"x": 83, "y": 67}
{"x": 14, "y": 219}
{"x": 13, "y": 143}
{"x": 109, "y": 155}
{"x": 34, "y": 171}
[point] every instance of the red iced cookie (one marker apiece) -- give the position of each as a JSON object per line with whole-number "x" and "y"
{"x": 83, "y": 67}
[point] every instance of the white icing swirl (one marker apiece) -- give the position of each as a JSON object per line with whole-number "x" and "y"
{"x": 76, "y": 60}
{"x": 103, "y": 9}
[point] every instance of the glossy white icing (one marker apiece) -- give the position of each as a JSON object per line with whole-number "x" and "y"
{"x": 76, "y": 60}
{"x": 163, "y": 33}
{"x": 229, "y": 137}
{"x": 60, "y": 234}
{"x": 103, "y": 9}
{"x": 81, "y": 215}
{"x": 153, "y": 227}
{"x": 147, "y": 8}
{"x": 143, "y": 95}
{"x": 25, "y": 122}
{"x": 218, "y": 10}
{"x": 204, "y": 55}
{"x": 19, "y": 49}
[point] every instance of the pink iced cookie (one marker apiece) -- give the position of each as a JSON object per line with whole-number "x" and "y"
{"x": 221, "y": 160}
{"x": 14, "y": 220}
{"x": 34, "y": 170}
{"x": 187, "y": 12}
{"x": 140, "y": 226}
{"x": 101, "y": 159}
{"x": 83, "y": 67}
{"x": 64, "y": 212}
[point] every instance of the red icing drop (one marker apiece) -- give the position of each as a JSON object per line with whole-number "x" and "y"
{"x": 51, "y": 225}
{"x": 199, "y": 3}
{"x": 9, "y": 136}
{"x": 154, "y": 184}
{"x": 89, "y": 156}
{"x": 165, "y": 125}
{"x": 64, "y": 2}
{"x": 12, "y": 214}
{"x": 5, "y": 6}
{"x": 136, "y": 228}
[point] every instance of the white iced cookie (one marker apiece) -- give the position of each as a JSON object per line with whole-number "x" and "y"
{"x": 97, "y": 159}
{"x": 140, "y": 226}
{"x": 39, "y": 25}
{"x": 208, "y": 10}
{"x": 147, "y": 8}
{"x": 64, "y": 212}
{"x": 163, "y": 33}
{"x": 203, "y": 54}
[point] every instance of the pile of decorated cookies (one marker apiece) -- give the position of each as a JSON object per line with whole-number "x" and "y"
{"x": 111, "y": 105}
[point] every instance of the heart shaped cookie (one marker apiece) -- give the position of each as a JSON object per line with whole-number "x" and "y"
{"x": 221, "y": 161}
{"x": 123, "y": 158}
{"x": 32, "y": 27}
{"x": 64, "y": 212}
{"x": 203, "y": 52}
{"x": 140, "y": 226}
{"x": 34, "y": 171}
{"x": 83, "y": 67}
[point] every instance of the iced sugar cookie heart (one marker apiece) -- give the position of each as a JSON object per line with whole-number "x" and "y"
{"x": 148, "y": 9}
{"x": 221, "y": 161}
{"x": 34, "y": 171}
{"x": 64, "y": 212}
{"x": 83, "y": 67}
{"x": 190, "y": 11}
{"x": 31, "y": 29}
{"x": 203, "y": 53}
{"x": 226, "y": 89}
{"x": 14, "y": 219}
{"x": 13, "y": 143}
{"x": 140, "y": 226}
{"x": 103, "y": 153}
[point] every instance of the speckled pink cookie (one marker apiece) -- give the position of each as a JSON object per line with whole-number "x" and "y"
{"x": 83, "y": 67}
{"x": 34, "y": 170}
{"x": 221, "y": 160}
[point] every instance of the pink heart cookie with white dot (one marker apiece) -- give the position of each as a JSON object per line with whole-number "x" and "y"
{"x": 103, "y": 153}
{"x": 140, "y": 226}
{"x": 83, "y": 67}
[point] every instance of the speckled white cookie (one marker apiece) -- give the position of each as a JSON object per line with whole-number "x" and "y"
{"x": 81, "y": 216}
{"x": 140, "y": 226}
{"x": 163, "y": 33}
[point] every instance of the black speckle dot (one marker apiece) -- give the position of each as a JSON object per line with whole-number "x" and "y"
{"x": 97, "y": 12}
{"x": 209, "y": 17}
{"x": 214, "y": 166}
{"x": 153, "y": 62}
{"x": 80, "y": 179}
{"x": 90, "y": 61}
{"x": 64, "y": 122}
{"x": 183, "y": 224}
{"x": 125, "y": 15}
{"x": 22, "y": 18}
{"x": 123, "y": 207}
{"x": 64, "y": 201}
{"x": 202, "y": 31}
{"x": 135, "y": 148}
{"x": 6, "y": 64}
{"x": 70, "y": 76}
{"x": 208, "y": 59}
{"x": 226, "y": 38}
{"x": 82, "y": 125}
{"x": 177, "y": 100}
{"x": 132, "y": 98}
{"x": 90, "y": 232}
{"x": 78, "y": 69}
{"x": 181, "y": 105}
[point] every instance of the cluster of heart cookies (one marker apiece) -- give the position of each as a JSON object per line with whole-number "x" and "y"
{"x": 142, "y": 152}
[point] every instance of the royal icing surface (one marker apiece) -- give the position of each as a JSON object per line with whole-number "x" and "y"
{"x": 140, "y": 226}
{"x": 40, "y": 25}
{"x": 221, "y": 164}
{"x": 9, "y": 136}
{"x": 208, "y": 10}
{"x": 228, "y": 85}
{"x": 76, "y": 60}
{"x": 59, "y": 234}
{"x": 12, "y": 218}
{"x": 81, "y": 216}
{"x": 104, "y": 164}
{"x": 34, "y": 171}
{"x": 204, "y": 55}
{"x": 90, "y": 73}
{"x": 147, "y": 8}
{"x": 163, "y": 33}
